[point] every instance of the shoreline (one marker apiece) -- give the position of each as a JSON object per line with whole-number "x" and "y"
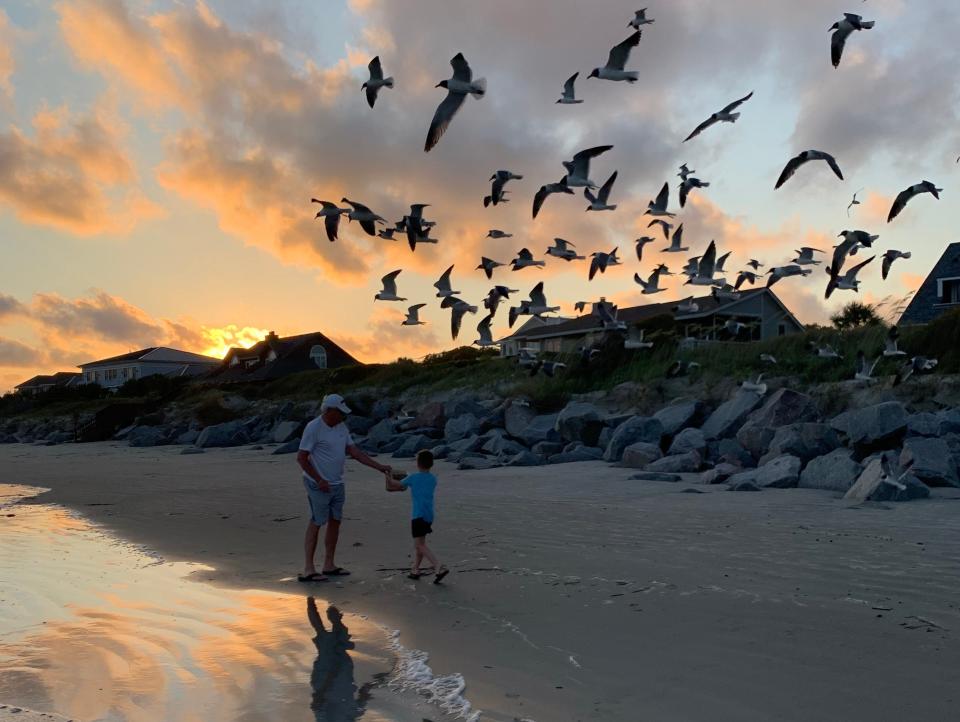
{"x": 684, "y": 603}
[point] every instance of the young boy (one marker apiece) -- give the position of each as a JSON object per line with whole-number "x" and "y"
{"x": 421, "y": 486}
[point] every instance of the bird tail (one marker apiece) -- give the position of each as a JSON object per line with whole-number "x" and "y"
{"x": 704, "y": 185}
{"x": 388, "y": 81}
{"x": 905, "y": 255}
{"x": 734, "y": 117}
{"x": 479, "y": 88}
{"x": 867, "y": 24}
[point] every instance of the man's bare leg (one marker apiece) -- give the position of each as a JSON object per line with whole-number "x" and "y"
{"x": 330, "y": 543}
{"x": 310, "y": 548}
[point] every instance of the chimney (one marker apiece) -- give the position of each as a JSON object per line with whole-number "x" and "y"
{"x": 271, "y": 337}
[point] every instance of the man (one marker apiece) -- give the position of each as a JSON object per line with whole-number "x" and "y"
{"x": 323, "y": 450}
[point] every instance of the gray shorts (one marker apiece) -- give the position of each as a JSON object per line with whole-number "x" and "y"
{"x": 325, "y": 505}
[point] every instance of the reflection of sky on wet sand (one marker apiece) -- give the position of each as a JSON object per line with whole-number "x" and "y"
{"x": 98, "y": 630}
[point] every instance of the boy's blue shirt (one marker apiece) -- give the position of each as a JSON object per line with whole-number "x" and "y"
{"x": 421, "y": 486}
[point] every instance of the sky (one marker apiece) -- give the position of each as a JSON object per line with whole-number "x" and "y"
{"x": 157, "y": 159}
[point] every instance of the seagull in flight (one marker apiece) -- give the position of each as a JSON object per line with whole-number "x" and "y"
{"x": 569, "y": 97}
{"x": 805, "y": 157}
{"x": 640, "y": 18}
{"x": 487, "y": 265}
{"x": 853, "y": 202}
{"x": 664, "y": 226}
{"x": 619, "y": 54}
{"x": 805, "y": 256}
{"x": 705, "y": 269}
{"x": 685, "y": 172}
{"x": 842, "y": 30}
{"x": 658, "y": 206}
{"x": 496, "y": 294}
{"x": 916, "y": 365}
{"x": 547, "y": 190}
{"x": 640, "y": 243}
{"x": 442, "y": 285}
{"x": 330, "y": 212}
{"x": 363, "y": 215}
{"x": 376, "y": 81}
{"x": 687, "y": 305}
{"x": 600, "y": 261}
{"x": 413, "y": 317}
{"x": 675, "y": 242}
{"x": 848, "y": 281}
{"x": 864, "y": 369}
{"x": 524, "y": 259}
{"x": 890, "y": 349}
{"x": 651, "y": 285}
{"x": 578, "y": 169}
{"x": 458, "y": 309}
{"x": 724, "y": 116}
{"x": 483, "y": 328}
{"x": 745, "y": 277}
{"x": 497, "y": 233}
{"x": 389, "y": 292}
{"x": 687, "y": 185}
{"x": 889, "y": 257}
{"x": 599, "y": 202}
{"x": 458, "y": 87}
{"x": 497, "y": 193}
{"x": 904, "y": 197}
{"x": 778, "y": 272}
{"x": 563, "y": 249}
{"x": 754, "y": 264}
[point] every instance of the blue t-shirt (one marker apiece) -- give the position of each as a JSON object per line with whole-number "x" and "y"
{"x": 421, "y": 486}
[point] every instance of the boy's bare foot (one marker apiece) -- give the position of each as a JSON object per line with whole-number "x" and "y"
{"x": 414, "y": 575}
{"x": 441, "y": 573}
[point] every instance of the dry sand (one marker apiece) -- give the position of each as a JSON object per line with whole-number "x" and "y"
{"x": 577, "y": 594}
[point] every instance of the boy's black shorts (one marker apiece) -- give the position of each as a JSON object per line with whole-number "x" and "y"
{"x": 420, "y": 527}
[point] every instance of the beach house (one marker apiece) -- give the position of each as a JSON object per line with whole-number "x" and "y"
{"x": 276, "y": 356}
{"x": 114, "y": 372}
{"x": 39, "y": 384}
{"x": 759, "y": 309}
{"x": 939, "y": 293}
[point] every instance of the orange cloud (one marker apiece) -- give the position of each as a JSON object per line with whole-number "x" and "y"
{"x": 875, "y": 208}
{"x": 221, "y": 340}
{"x": 7, "y": 63}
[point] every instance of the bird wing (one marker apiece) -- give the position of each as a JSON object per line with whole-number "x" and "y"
{"x": 539, "y": 198}
{"x": 581, "y": 160}
{"x": 536, "y": 296}
{"x": 677, "y": 237}
{"x": 390, "y": 282}
{"x": 700, "y": 128}
{"x": 663, "y": 197}
{"x": 594, "y": 267}
{"x": 619, "y": 54}
{"x": 568, "y": 86}
{"x": 441, "y": 119}
{"x": 376, "y": 72}
{"x": 496, "y": 190}
{"x": 456, "y": 317}
{"x": 369, "y": 226}
{"x": 332, "y": 224}
{"x": 605, "y": 188}
{"x": 461, "y": 68}
{"x": 885, "y": 268}
{"x": 737, "y": 103}
{"x": 852, "y": 272}
{"x": 837, "y": 43}
{"x": 722, "y": 260}
{"x": 664, "y": 226}
{"x": 708, "y": 261}
{"x": 371, "y": 91}
{"x": 654, "y": 279}
{"x": 588, "y": 194}
{"x": 443, "y": 283}
{"x": 900, "y": 203}
{"x": 789, "y": 169}
{"x": 684, "y": 190}
{"x": 832, "y": 162}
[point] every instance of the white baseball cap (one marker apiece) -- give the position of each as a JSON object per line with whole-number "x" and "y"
{"x": 334, "y": 401}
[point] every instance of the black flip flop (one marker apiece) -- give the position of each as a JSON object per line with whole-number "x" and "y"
{"x": 314, "y": 577}
{"x": 337, "y": 572}
{"x": 413, "y": 576}
{"x": 440, "y": 575}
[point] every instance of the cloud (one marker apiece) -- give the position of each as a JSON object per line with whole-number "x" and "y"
{"x": 9, "y": 306}
{"x": 387, "y": 340}
{"x": 7, "y": 62}
{"x": 73, "y": 173}
{"x": 16, "y": 354}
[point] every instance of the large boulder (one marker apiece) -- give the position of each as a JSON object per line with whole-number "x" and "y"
{"x": 462, "y": 406}
{"x": 358, "y": 425}
{"x": 524, "y": 458}
{"x": 291, "y": 447}
{"x": 678, "y": 464}
{"x": 678, "y": 416}
{"x": 730, "y": 451}
{"x": 547, "y": 448}
{"x": 874, "y": 485}
{"x": 517, "y": 415}
{"x": 431, "y": 416}
{"x": 836, "y": 471}
{"x": 639, "y": 454}
{"x": 924, "y": 424}
{"x": 580, "y": 421}
{"x": 478, "y": 463}
{"x": 633, "y": 430}
{"x": 881, "y": 426}
{"x": 781, "y": 473}
{"x": 730, "y": 415}
{"x": 412, "y": 444}
{"x": 189, "y": 436}
{"x": 283, "y": 431}
{"x": 804, "y": 440}
{"x": 499, "y": 444}
{"x": 784, "y": 406}
{"x": 471, "y": 443}
{"x": 143, "y": 436}
{"x": 949, "y": 421}
{"x": 460, "y": 427}
{"x": 231, "y": 433}
{"x": 690, "y": 439}
{"x": 541, "y": 428}
{"x": 381, "y": 432}
{"x": 581, "y": 453}
{"x": 931, "y": 461}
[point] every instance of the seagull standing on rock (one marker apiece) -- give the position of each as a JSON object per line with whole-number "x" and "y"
{"x": 904, "y": 197}
{"x": 376, "y": 81}
{"x": 619, "y": 54}
{"x": 805, "y": 157}
{"x": 458, "y": 87}
{"x": 723, "y": 116}
{"x": 569, "y": 97}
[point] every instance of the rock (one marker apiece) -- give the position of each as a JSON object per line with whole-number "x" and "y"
{"x": 62, "y": 437}
{"x": 478, "y": 463}
{"x": 924, "y": 424}
{"x": 500, "y": 444}
{"x": 283, "y": 431}
{"x": 872, "y": 428}
{"x": 396, "y": 442}
{"x": 517, "y": 415}
{"x": 460, "y": 427}
{"x": 655, "y": 476}
{"x": 430, "y": 416}
{"x": 730, "y": 415}
{"x": 603, "y": 441}
{"x": 471, "y": 443}
{"x": 730, "y": 451}
{"x": 949, "y": 421}
{"x": 836, "y": 471}
{"x": 540, "y": 428}
{"x": 580, "y": 421}
{"x": 194, "y": 450}
{"x": 463, "y": 407}
{"x": 143, "y": 436}
{"x": 686, "y": 463}
{"x": 743, "y": 486}
{"x": 690, "y": 439}
{"x": 524, "y": 458}
{"x": 358, "y": 425}
{"x": 411, "y": 445}
{"x": 678, "y": 416}
{"x": 189, "y": 436}
{"x": 381, "y": 432}
{"x": 637, "y": 429}
{"x": 547, "y": 448}
{"x": 930, "y": 460}
{"x": 873, "y": 485}
{"x": 612, "y": 421}
{"x": 805, "y": 440}
{"x": 784, "y": 406}
{"x": 581, "y": 453}
{"x": 440, "y": 452}
{"x": 286, "y": 411}
{"x": 7, "y": 438}
{"x": 780, "y": 473}
{"x": 639, "y": 454}
{"x": 291, "y": 447}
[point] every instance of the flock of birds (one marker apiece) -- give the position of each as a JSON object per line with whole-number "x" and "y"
{"x": 705, "y": 270}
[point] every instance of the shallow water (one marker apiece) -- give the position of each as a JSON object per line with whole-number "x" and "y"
{"x": 96, "y": 629}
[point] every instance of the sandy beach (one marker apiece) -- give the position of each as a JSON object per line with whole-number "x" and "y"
{"x": 577, "y": 594}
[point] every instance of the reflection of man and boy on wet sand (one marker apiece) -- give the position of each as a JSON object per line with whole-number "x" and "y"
{"x": 324, "y": 447}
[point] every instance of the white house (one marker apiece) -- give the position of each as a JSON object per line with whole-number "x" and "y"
{"x": 114, "y": 372}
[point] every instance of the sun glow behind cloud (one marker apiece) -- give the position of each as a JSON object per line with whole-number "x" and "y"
{"x": 221, "y": 340}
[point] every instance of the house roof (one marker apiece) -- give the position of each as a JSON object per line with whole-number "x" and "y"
{"x": 535, "y": 323}
{"x": 60, "y": 378}
{"x": 292, "y": 356}
{"x": 155, "y": 354}
{"x": 925, "y": 305}
{"x": 634, "y": 315}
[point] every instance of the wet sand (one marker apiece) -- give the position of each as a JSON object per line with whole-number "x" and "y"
{"x": 577, "y": 594}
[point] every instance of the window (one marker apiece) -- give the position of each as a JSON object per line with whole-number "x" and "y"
{"x": 949, "y": 290}
{"x": 318, "y": 354}
{"x": 782, "y": 329}
{"x": 552, "y": 345}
